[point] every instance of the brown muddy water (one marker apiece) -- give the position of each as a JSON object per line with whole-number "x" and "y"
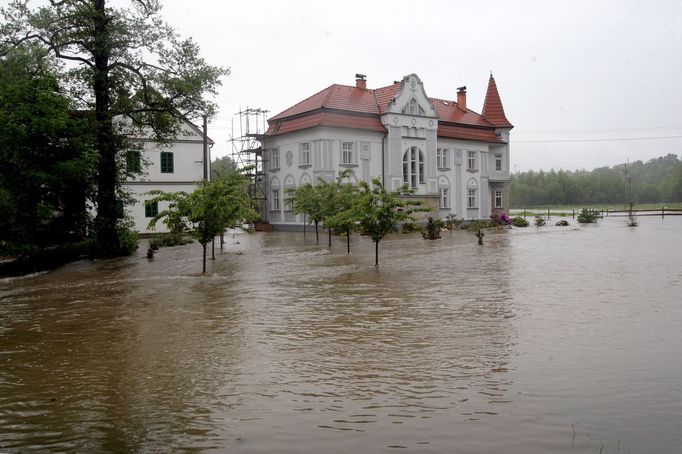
{"x": 553, "y": 339}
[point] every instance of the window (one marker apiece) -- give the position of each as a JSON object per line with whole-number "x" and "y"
{"x": 444, "y": 198}
{"x": 167, "y": 162}
{"x": 498, "y": 161}
{"x": 133, "y": 161}
{"x": 151, "y": 209}
{"x": 304, "y": 158}
{"x": 471, "y": 160}
{"x": 288, "y": 200}
{"x": 274, "y": 159}
{"x": 413, "y": 108}
{"x": 413, "y": 167}
{"x": 498, "y": 198}
{"x": 471, "y": 198}
{"x": 275, "y": 199}
{"x": 347, "y": 151}
{"x": 442, "y": 158}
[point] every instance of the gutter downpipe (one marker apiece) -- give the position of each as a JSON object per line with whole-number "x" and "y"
{"x": 383, "y": 153}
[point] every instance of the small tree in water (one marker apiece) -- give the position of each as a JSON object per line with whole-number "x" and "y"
{"x": 342, "y": 200}
{"x": 208, "y": 211}
{"x": 587, "y": 216}
{"x": 432, "y": 229}
{"x": 379, "y": 211}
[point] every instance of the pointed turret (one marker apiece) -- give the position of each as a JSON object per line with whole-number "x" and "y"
{"x": 493, "y": 111}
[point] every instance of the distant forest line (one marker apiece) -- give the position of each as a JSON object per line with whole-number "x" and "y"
{"x": 658, "y": 180}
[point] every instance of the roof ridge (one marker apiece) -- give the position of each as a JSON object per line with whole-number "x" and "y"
{"x": 329, "y": 94}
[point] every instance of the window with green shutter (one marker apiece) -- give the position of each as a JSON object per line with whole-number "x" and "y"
{"x": 151, "y": 209}
{"x": 133, "y": 161}
{"x": 167, "y": 162}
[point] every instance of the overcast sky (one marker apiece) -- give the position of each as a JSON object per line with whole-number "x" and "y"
{"x": 578, "y": 79}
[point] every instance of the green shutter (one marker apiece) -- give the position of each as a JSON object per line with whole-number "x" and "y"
{"x": 167, "y": 162}
{"x": 151, "y": 209}
{"x": 133, "y": 159}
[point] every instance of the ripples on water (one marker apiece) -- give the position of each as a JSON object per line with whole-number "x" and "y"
{"x": 542, "y": 340}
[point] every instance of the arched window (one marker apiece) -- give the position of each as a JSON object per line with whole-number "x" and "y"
{"x": 413, "y": 108}
{"x": 413, "y": 167}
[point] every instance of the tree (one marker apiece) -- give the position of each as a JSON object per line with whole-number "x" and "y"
{"x": 208, "y": 211}
{"x": 119, "y": 62}
{"x": 222, "y": 166}
{"x": 342, "y": 198}
{"x": 46, "y": 158}
{"x": 308, "y": 199}
{"x": 379, "y": 211}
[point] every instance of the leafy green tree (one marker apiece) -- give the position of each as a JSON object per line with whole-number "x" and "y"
{"x": 343, "y": 196}
{"x": 208, "y": 211}
{"x": 379, "y": 211}
{"x": 122, "y": 63}
{"x": 308, "y": 200}
{"x": 222, "y": 166}
{"x": 45, "y": 158}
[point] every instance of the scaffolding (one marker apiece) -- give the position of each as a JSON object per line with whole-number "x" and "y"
{"x": 246, "y": 138}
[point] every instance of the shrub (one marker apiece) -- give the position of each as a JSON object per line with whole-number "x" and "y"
{"x": 539, "y": 221}
{"x": 520, "y": 221}
{"x": 501, "y": 218}
{"x": 432, "y": 231}
{"x": 451, "y": 222}
{"x": 588, "y": 216}
{"x": 411, "y": 227}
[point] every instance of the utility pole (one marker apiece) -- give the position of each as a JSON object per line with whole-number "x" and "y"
{"x": 206, "y": 163}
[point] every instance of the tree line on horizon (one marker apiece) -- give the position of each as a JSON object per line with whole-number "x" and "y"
{"x": 659, "y": 180}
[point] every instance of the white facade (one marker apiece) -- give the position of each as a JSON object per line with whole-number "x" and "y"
{"x": 174, "y": 167}
{"x": 466, "y": 178}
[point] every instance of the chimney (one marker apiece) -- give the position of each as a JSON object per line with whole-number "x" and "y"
{"x": 462, "y": 98}
{"x": 360, "y": 81}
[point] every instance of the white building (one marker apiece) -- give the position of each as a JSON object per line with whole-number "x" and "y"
{"x": 173, "y": 167}
{"x": 455, "y": 159}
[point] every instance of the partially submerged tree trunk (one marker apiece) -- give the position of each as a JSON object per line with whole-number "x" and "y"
{"x": 317, "y": 233}
{"x": 376, "y": 253}
{"x": 329, "y": 230}
{"x": 348, "y": 240}
{"x": 204, "y": 266}
{"x": 105, "y": 222}
{"x": 213, "y": 249}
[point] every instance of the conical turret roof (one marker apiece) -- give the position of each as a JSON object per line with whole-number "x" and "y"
{"x": 493, "y": 111}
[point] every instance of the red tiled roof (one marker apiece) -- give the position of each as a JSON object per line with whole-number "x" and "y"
{"x": 468, "y": 133}
{"x": 321, "y": 117}
{"x": 493, "y": 111}
{"x": 352, "y": 107}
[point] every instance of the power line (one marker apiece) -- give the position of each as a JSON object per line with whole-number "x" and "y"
{"x": 618, "y": 139}
{"x": 588, "y": 131}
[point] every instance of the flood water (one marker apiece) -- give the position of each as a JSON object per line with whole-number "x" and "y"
{"x": 552, "y": 339}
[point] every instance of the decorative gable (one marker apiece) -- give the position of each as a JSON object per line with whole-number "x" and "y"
{"x": 411, "y": 99}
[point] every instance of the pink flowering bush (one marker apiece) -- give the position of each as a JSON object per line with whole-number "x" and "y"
{"x": 501, "y": 218}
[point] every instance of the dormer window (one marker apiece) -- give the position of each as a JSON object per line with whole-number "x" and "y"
{"x": 413, "y": 108}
